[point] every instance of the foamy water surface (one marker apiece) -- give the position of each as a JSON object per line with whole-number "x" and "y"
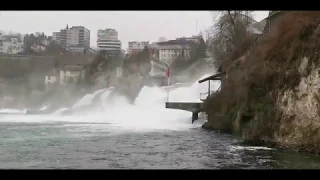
{"x": 106, "y": 132}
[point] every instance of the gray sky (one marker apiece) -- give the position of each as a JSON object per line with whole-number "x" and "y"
{"x": 131, "y": 25}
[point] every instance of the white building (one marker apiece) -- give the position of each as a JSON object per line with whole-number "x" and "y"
{"x": 56, "y": 36}
{"x": 173, "y": 49}
{"x": 79, "y": 36}
{"x": 111, "y": 34}
{"x": 137, "y": 46}
{"x": 52, "y": 78}
{"x": 77, "y": 49}
{"x": 11, "y": 44}
{"x": 70, "y": 70}
{"x": 63, "y": 37}
{"x": 75, "y": 38}
{"x": 108, "y": 40}
{"x": 65, "y": 75}
{"x": 70, "y": 74}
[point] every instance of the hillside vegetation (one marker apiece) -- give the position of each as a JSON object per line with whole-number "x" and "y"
{"x": 272, "y": 95}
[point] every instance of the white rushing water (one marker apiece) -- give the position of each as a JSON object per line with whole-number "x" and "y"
{"x": 147, "y": 113}
{"x": 13, "y": 111}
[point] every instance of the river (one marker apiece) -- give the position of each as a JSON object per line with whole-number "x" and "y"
{"x": 116, "y": 134}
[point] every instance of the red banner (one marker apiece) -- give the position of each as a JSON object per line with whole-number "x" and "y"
{"x": 168, "y": 72}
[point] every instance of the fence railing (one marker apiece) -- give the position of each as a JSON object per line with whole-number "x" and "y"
{"x": 204, "y": 96}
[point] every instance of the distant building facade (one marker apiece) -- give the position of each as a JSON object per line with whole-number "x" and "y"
{"x": 194, "y": 39}
{"x": 63, "y": 37}
{"x": 173, "y": 49}
{"x": 137, "y": 46}
{"x": 75, "y": 39}
{"x": 11, "y": 44}
{"x": 70, "y": 74}
{"x": 78, "y": 36}
{"x": 107, "y": 40}
{"x": 67, "y": 71}
{"x": 52, "y": 77}
{"x": 64, "y": 75}
{"x": 56, "y": 37}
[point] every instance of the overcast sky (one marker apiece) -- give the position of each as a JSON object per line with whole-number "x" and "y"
{"x": 131, "y": 25}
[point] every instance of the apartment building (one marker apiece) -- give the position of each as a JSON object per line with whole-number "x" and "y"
{"x": 75, "y": 39}
{"x": 56, "y": 37}
{"x": 108, "y": 40}
{"x": 63, "y": 37}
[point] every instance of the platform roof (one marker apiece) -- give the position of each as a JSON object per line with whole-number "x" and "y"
{"x": 213, "y": 77}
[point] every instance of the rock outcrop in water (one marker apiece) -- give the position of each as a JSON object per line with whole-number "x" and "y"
{"x": 273, "y": 96}
{"x": 136, "y": 69}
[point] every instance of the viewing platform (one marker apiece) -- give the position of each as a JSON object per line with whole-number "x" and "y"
{"x": 196, "y": 107}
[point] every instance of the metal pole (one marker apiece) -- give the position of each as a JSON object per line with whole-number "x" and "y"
{"x": 168, "y": 91}
{"x": 168, "y": 76}
{"x": 209, "y": 88}
{"x": 197, "y": 26}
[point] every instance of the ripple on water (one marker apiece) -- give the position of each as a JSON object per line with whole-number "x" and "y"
{"x": 81, "y": 146}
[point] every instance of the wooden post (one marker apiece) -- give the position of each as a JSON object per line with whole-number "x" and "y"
{"x": 194, "y": 116}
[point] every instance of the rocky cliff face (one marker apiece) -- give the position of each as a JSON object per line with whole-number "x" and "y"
{"x": 274, "y": 95}
{"x": 300, "y": 110}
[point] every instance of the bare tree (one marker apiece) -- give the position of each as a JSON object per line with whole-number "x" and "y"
{"x": 231, "y": 36}
{"x": 162, "y": 39}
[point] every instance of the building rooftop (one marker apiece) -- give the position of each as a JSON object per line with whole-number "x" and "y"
{"x": 8, "y": 38}
{"x": 192, "y": 37}
{"x": 82, "y": 27}
{"x": 138, "y": 41}
{"x": 107, "y": 29}
{"x": 176, "y": 42}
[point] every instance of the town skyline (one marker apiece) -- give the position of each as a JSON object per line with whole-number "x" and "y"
{"x": 129, "y": 24}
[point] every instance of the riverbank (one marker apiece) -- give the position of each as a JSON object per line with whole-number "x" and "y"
{"x": 272, "y": 97}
